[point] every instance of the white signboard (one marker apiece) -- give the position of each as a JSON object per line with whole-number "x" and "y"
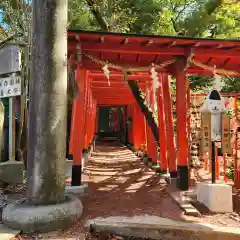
{"x": 10, "y": 86}
{"x": 10, "y": 59}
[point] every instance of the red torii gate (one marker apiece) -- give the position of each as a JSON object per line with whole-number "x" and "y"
{"x": 89, "y": 51}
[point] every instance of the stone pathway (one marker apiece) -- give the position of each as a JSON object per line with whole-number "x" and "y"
{"x": 120, "y": 184}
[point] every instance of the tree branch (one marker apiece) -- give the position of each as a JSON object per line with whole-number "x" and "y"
{"x": 148, "y": 115}
{"x": 195, "y": 24}
{"x": 98, "y": 16}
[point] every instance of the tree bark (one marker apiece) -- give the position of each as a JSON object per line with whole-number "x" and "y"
{"x": 48, "y": 103}
{"x": 98, "y": 16}
{"x": 148, "y": 115}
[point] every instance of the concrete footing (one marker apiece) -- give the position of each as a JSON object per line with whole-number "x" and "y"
{"x": 11, "y": 172}
{"x": 30, "y": 219}
{"x": 77, "y": 190}
{"x": 216, "y": 197}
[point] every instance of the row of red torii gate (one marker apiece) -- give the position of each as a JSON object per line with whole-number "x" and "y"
{"x": 103, "y": 64}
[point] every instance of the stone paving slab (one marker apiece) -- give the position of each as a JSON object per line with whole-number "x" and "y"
{"x": 184, "y": 202}
{"x": 7, "y": 233}
{"x": 153, "y": 227}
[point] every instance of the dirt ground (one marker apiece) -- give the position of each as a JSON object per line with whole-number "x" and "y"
{"x": 121, "y": 185}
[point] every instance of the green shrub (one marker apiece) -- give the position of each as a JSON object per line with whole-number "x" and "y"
{"x": 230, "y": 172}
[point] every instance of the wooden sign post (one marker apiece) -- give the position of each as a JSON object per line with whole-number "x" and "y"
{"x": 226, "y": 140}
{"x": 206, "y": 132}
{"x": 215, "y": 129}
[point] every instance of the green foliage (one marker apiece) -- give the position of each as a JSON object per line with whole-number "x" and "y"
{"x": 200, "y": 83}
{"x": 230, "y": 172}
{"x": 194, "y": 18}
{"x": 17, "y": 17}
{"x": 79, "y": 16}
{"x": 231, "y": 84}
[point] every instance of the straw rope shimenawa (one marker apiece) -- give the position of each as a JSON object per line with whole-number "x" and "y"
{"x": 160, "y": 66}
{"x": 127, "y": 68}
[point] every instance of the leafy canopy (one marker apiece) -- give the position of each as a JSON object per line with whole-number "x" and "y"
{"x": 194, "y": 18}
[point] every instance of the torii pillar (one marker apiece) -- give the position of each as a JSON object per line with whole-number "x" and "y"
{"x": 171, "y": 149}
{"x": 182, "y": 135}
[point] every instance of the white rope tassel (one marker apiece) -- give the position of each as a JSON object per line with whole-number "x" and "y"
{"x": 154, "y": 75}
{"x": 106, "y": 73}
{"x": 217, "y": 81}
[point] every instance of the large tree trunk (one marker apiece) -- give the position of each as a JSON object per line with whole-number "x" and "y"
{"x": 148, "y": 115}
{"x": 48, "y": 103}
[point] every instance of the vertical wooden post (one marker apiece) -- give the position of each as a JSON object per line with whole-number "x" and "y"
{"x": 162, "y": 126}
{"x": 189, "y": 128}
{"x": 182, "y": 142}
{"x": 171, "y": 150}
{"x": 153, "y": 144}
{"x": 89, "y": 115}
{"x": 236, "y": 170}
{"x": 78, "y": 127}
{"x": 206, "y": 162}
{"x": 149, "y": 142}
{"x": 138, "y": 127}
{"x": 2, "y": 113}
{"x": 12, "y": 128}
{"x": 135, "y": 128}
{"x": 94, "y": 120}
{"x": 88, "y": 120}
{"x": 217, "y": 164}
{"x": 148, "y": 135}
{"x": 141, "y": 128}
{"x": 71, "y": 143}
{"x": 129, "y": 124}
{"x": 125, "y": 119}
{"x": 86, "y": 113}
{"x": 224, "y": 167}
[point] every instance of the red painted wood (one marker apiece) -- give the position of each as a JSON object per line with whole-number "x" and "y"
{"x": 162, "y": 126}
{"x": 78, "y": 118}
{"x": 153, "y": 148}
{"x": 140, "y": 39}
{"x": 71, "y": 142}
{"x": 191, "y": 70}
{"x": 182, "y": 143}
{"x": 171, "y": 150}
{"x": 138, "y": 128}
{"x": 118, "y": 76}
{"x": 236, "y": 170}
{"x": 130, "y": 126}
{"x": 86, "y": 111}
{"x": 189, "y": 127}
{"x": 137, "y": 49}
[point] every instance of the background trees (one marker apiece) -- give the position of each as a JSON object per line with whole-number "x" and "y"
{"x": 193, "y": 18}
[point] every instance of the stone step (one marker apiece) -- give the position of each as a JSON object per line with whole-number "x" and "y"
{"x": 153, "y": 227}
{"x": 184, "y": 202}
{"x": 102, "y": 154}
{"x": 7, "y": 233}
